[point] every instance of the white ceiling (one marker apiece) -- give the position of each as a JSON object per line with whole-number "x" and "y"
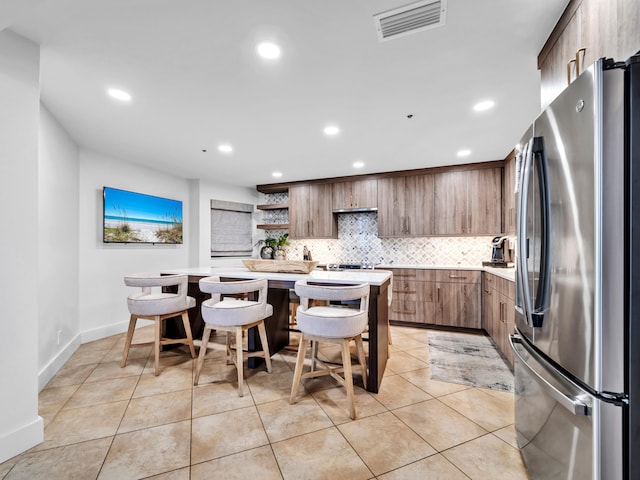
{"x": 196, "y": 82}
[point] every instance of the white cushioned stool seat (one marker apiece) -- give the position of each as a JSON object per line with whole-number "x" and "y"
{"x": 234, "y": 315}
{"x": 150, "y": 304}
{"x": 338, "y": 324}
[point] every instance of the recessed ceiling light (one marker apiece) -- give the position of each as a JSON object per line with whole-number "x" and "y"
{"x": 484, "y": 105}
{"x": 358, "y": 164}
{"x": 225, "y": 148}
{"x": 464, "y": 153}
{"x": 119, "y": 94}
{"x": 331, "y": 130}
{"x": 276, "y": 174}
{"x": 268, "y": 50}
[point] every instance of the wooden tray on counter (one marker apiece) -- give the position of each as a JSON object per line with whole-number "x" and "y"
{"x": 280, "y": 266}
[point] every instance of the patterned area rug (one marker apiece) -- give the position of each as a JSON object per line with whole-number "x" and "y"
{"x": 468, "y": 359}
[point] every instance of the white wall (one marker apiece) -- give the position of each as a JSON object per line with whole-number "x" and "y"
{"x": 58, "y": 321}
{"x": 20, "y": 425}
{"x": 102, "y": 293}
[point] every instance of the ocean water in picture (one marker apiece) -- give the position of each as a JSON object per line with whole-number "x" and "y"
{"x": 131, "y": 217}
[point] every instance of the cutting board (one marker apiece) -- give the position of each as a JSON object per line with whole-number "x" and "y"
{"x": 280, "y": 266}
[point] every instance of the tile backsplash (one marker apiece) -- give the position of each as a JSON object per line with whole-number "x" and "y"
{"x": 358, "y": 242}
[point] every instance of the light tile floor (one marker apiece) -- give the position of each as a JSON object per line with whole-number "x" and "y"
{"x": 107, "y": 422}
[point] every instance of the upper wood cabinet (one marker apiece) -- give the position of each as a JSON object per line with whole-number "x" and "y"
{"x": 355, "y": 194}
{"x": 509, "y": 196}
{"x": 587, "y": 30}
{"x": 468, "y": 202}
{"x": 406, "y": 206}
{"x": 311, "y": 212}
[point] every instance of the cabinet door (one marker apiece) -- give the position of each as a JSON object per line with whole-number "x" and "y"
{"x": 488, "y": 306}
{"x": 322, "y": 223}
{"x": 364, "y": 193}
{"x": 553, "y": 69}
{"x": 484, "y": 201}
{"x": 458, "y": 305}
{"x": 510, "y": 325}
{"x": 509, "y": 197}
{"x": 450, "y": 203}
{"x": 299, "y": 211}
{"x": 391, "y": 207}
{"x": 356, "y": 194}
{"x": 420, "y": 205}
{"x": 341, "y": 193}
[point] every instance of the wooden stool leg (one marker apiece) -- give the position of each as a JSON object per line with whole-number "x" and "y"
{"x": 156, "y": 343}
{"x": 265, "y": 345}
{"x": 203, "y": 352}
{"x": 362, "y": 359}
{"x": 239, "y": 362}
{"x": 348, "y": 377}
{"x": 297, "y": 375}
{"x": 129, "y": 338}
{"x": 187, "y": 329}
{"x": 229, "y": 351}
{"x": 314, "y": 354}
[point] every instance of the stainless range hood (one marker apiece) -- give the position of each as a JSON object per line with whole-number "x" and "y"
{"x": 355, "y": 210}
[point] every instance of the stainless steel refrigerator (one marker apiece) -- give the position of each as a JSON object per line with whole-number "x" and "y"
{"x": 577, "y": 339}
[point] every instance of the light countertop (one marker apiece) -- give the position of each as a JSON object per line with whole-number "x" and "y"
{"x": 373, "y": 277}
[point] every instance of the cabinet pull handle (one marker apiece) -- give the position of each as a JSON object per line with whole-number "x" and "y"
{"x": 578, "y": 52}
{"x": 438, "y": 295}
{"x": 569, "y": 70}
{"x": 404, "y": 291}
{"x": 461, "y": 277}
{"x": 404, "y": 275}
{"x": 488, "y": 292}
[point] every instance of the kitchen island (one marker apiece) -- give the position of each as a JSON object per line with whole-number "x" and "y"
{"x": 278, "y": 296}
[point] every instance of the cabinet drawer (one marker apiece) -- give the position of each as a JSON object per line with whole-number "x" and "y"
{"x": 413, "y": 290}
{"x": 404, "y": 273}
{"x": 458, "y": 276}
{"x": 403, "y": 310}
{"x": 411, "y": 311}
{"x": 418, "y": 274}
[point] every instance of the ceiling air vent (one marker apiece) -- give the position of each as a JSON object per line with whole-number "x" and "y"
{"x": 410, "y": 19}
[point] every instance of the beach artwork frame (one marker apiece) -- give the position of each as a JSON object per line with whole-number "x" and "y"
{"x": 132, "y": 217}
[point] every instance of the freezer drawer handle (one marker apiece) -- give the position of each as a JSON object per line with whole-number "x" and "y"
{"x": 574, "y": 404}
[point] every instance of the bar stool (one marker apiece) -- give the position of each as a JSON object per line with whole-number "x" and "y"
{"x": 335, "y": 324}
{"x": 158, "y": 306}
{"x": 233, "y": 315}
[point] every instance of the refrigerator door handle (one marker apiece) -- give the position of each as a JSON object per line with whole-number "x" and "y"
{"x": 578, "y": 405}
{"x": 522, "y": 280}
{"x": 542, "y": 293}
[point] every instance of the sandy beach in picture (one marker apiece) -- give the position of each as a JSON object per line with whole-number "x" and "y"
{"x": 142, "y": 231}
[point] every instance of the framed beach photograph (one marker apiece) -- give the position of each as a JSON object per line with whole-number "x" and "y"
{"x": 130, "y": 217}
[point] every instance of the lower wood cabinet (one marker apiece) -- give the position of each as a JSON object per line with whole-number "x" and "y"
{"x": 498, "y": 311}
{"x": 458, "y": 298}
{"x": 436, "y": 297}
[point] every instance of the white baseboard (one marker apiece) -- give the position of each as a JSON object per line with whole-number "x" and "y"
{"x": 47, "y": 373}
{"x": 56, "y": 363}
{"x": 103, "y": 332}
{"x": 22, "y": 439}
